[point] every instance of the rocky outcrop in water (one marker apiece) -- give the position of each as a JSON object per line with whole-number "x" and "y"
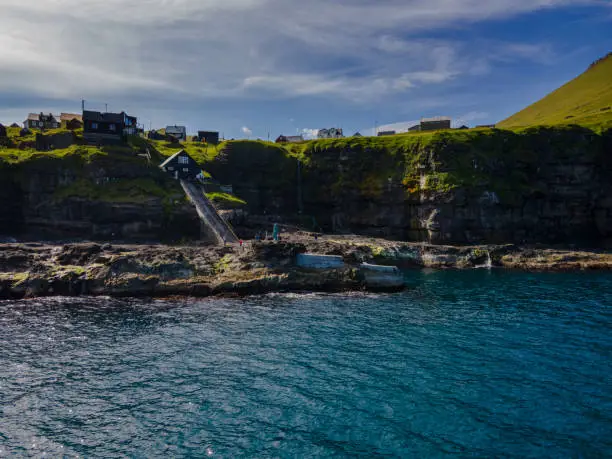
{"x": 30, "y": 270}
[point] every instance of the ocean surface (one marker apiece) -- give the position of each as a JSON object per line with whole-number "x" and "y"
{"x": 466, "y": 364}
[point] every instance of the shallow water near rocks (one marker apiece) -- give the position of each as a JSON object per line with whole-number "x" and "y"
{"x": 473, "y": 363}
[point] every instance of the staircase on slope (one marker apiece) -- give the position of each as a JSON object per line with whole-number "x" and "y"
{"x": 208, "y": 214}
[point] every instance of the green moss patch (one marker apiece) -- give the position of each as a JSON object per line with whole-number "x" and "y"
{"x": 226, "y": 201}
{"x": 122, "y": 190}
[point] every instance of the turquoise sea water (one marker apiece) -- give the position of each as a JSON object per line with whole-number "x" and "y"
{"x": 476, "y": 364}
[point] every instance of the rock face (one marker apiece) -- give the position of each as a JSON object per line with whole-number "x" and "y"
{"x": 50, "y": 198}
{"x": 492, "y": 186}
{"x": 30, "y": 270}
{"x": 34, "y": 269}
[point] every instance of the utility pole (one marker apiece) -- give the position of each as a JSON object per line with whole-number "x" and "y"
{"x": 105, "y": 108}
{"x": 82, "y": 105}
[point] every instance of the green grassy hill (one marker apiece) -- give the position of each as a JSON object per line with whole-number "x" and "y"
{"x": 586, "y": 100}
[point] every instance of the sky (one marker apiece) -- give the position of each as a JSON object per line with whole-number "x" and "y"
{"x": 261, "y": 68}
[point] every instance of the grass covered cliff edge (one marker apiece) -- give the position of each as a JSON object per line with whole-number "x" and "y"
{"x": 543, "y": 184}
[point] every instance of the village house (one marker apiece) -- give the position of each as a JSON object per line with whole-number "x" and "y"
{"x": 181, "y": 166}
{"x": 211, "y": 137}
{"x": 435, "y": 124}
{"x": 289, "y": 139}
{"x": 41, "y": 121}
{"x": 107, "y": 128}
{"x": 71, "y": 121}
{"x": 385, "y": 133}
{"x": 178, "y": 132}
{"x": 331, "y": 133}
{"x": 155, "y": 135}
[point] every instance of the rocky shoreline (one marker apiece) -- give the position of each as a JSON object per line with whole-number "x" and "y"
{"x": 36, "y": 269}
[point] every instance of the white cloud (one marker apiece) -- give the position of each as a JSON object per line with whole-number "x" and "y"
{"x": 401, "y": 126}
{"x": 168, "y": 53}
{"x": 467, "y": 118}
{"x": 246, "y": 131}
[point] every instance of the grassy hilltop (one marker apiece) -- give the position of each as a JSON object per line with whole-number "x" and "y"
{"x": 586, "y": 100}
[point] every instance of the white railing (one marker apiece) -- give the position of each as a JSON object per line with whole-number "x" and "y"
{"x": 208, "y": 214}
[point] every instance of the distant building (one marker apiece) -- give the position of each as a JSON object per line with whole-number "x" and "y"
{"x": 155, "y": 135}
{"x": 2, "y": 131}
{"x": 178, "y": 132}
{"x": 490, "y": 126}
{"x": 15, "y": 125}
{"x": 435, "y": 124}
{"x": 181, "y": 166}
{"x": 289, "y": 139}
{"x": 211, "y": 137}
{"x": 71, "y": 121}
{"x": 357, "y": 134}
{"x": 415, "y": 128}
{"x": 41, "y": 121}
{"x": 463, "y": 127}
{"x": 331, "y": 133}
{"x": 384, "y": 133}
{"x": 101, "y": 128}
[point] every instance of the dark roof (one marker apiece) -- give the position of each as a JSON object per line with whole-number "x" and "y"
{"x": 70, "y": 116}
{"x": 171, "y": 158}
{"x": 103, "y": 117}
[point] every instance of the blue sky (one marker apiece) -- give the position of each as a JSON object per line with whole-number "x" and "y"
{"x": 250, "y": 68}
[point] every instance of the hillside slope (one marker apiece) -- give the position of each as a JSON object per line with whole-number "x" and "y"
{"x": 586, "y": 100}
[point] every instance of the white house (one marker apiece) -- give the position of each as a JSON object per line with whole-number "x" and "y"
{"x": 178, "y": 132}
{"x": 331, "y": 133}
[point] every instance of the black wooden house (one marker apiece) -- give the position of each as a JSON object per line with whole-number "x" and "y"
{"x": 107, "y": 128}
{"x": 181, "y": 166}
{"x": 211, "y": 137}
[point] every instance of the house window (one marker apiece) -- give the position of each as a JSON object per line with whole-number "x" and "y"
{"x": 185, "y": 169}
{"x": 171, "y": 168}
{"x": 94, "y": 125}
{"x": 112, "y": 127}
{"x": 183, "y": 160}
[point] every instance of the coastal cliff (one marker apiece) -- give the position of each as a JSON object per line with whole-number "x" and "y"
{"x": 547, "y": 185}
{"x": 104, "y": 196}
{"x": 540, "y": 185}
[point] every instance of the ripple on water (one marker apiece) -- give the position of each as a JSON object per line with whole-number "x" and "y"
{"x": 473, "y": 363}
